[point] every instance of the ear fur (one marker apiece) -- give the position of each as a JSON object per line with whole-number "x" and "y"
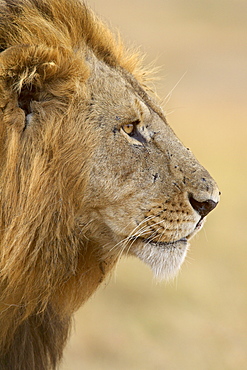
{"x": 36, "y": 73}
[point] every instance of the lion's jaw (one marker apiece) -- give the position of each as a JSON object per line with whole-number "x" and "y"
{"x": 164, "y": 258}
{"x": 164, "y": 252}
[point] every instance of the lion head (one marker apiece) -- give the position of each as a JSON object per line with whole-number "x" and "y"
{"x": 89, "y": 171}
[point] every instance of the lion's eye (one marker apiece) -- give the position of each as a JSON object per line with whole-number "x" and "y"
{"x": 129, "y": 128}
{"x": 133, "y": 131}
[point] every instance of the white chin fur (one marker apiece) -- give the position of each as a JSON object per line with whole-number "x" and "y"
{"x": 165, "y": 261}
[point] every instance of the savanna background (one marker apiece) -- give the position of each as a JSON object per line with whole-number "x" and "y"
{"x": 198, "y": 321}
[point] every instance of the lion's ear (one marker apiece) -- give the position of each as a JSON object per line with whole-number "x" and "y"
{"x": 35, "y": 73}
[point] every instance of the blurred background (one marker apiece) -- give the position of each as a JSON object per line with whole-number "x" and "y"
{"x": 198, "y": 321}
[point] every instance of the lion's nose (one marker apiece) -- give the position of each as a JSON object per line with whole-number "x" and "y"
{"x": 203, "y": 208}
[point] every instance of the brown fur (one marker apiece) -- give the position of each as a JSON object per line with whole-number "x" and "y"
{"x": 73, "y": 184}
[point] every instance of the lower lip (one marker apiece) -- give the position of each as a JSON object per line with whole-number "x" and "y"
{"x": 169, "y": 244}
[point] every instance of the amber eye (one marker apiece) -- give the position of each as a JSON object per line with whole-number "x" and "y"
{"x": 128, "y": 128}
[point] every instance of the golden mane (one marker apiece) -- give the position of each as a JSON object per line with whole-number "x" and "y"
{"x": 43, "y": 46}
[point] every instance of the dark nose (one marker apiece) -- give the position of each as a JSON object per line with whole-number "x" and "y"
{"x": 203, "y": 208}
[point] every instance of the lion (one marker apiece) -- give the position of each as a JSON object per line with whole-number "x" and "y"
{"x": 89, "y": 171}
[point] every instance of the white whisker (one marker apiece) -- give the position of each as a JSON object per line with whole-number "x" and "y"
{"x": 168, "y": 96}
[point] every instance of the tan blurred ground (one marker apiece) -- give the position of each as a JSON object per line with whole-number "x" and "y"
{"x": 198, "y": 322}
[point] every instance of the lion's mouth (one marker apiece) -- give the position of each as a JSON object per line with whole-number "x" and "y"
{"x": 182, "y": 241}
{"x": 157, "y": 239}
